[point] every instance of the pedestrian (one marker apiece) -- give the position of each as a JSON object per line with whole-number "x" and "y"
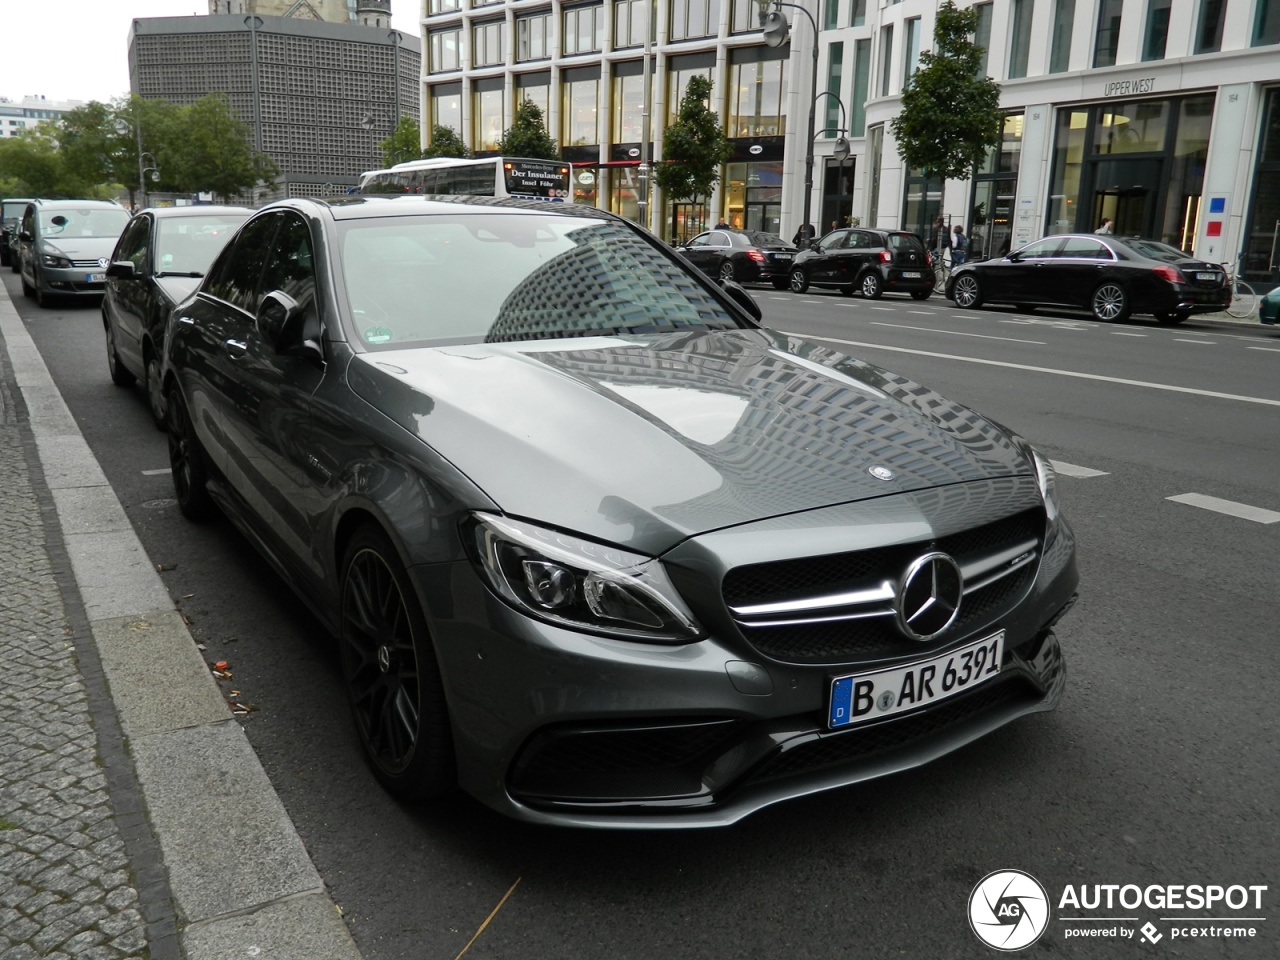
{"x": 1105, "y": 229}
{"x": 803, "y": 236}
{"x": 835, "y": 224}
{"x": 959, "y": 246}
{"x": 939, "y": 239}
{"x": 722, "y": 225}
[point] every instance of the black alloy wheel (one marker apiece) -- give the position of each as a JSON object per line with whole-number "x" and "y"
{"x": 390, "y": 672}
{"x": 871, "y": 285}
{"x": 726, "y": 270}
{"x": 1171, "y": 318}
{"x": 187, "y": 462}
{"x": 155, "y": 387}
{"x": 799, "y": 280}
{"x": 119, "y": 375}
{"x": 966, "y": 291}
{"x": 1110, "y": 303}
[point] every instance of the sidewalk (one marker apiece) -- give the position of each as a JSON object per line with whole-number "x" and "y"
{"x": 135, "y": 818}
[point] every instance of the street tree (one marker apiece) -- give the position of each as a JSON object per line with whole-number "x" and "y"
{"x": 157, "y": 128}
{"x": 89, "y": 144}
{"x": 33, "y": 163}
{"x": 950, "y": 116}
{"x": 217, "y": 154}
{"x": 527, "y": 136}
{"x": 405, "y": 142}
{"x": 445, "y": 142}
{"x": 693, "y": 147}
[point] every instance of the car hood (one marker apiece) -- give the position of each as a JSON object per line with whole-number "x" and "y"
{"x": 645, "y": 441}
{"x": 79, "y": 248}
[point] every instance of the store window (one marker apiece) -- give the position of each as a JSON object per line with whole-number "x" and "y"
{"x": 753, "y": 196}
{"x": 533, "y": 37}
{"x": 1135, "y": 127}
{"x": 583, "y": 30}
{"x": 755, "y": 89}
{"x": 486, "y": 114}
{"x": 580, "y": 96}
{"x": 1262, "y": 219}
{"x": 1209, "y": 27}
{"x": 536, "y": 88}
{"x": 694, "y": 18}
{"x": 626, "y": 106}
{"x": 442, "y": 50}
{"x": 680, "y": 70}
{"x": 1157, "y": 33}
{"x": 445, "y": 104}
{"x": 990, "y": 219}
{"x": 1107, "y": 38}
{"x": 1068, "y": 165}
{"x": 1020, "y": 39}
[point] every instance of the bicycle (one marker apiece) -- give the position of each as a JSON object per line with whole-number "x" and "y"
{"x": 941, "y": 271}
{"x": 1243, "y": 300}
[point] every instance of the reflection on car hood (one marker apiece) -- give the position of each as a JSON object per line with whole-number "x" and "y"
{"x": 79, "y": 248}
{"x": 178, "y": 289}
{"x": 644, "y": 441}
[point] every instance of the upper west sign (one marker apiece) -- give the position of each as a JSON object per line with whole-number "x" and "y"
{"x": 1126, "y": 88}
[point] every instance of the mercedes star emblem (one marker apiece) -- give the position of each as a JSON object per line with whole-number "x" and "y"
{"x": 880, "y": 472}
{"x": 929, "y": 596}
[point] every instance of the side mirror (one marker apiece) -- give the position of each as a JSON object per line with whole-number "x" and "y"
{"x": 738, "y": 294}
{"x": 281, "y": 324}
{"x": 122, "y": 270}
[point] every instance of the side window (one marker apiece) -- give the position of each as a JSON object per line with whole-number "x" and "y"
{"x": 701, "y": 240}
{"x": 236, "y": 274}
{"x": 28, "y": 219}
{"x": 1082, "y": 248}
{"x": 1041, "y": 248}
{"x": 833, "y": 241}
{"x": 291, "y": 266}
{"x": 133, "y": 245}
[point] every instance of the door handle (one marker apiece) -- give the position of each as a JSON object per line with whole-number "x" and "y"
{"x": 237, "y": 348}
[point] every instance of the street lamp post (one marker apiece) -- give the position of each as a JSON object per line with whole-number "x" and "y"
{"x": 776, "y": 30}
{"x": 146, "y": 161}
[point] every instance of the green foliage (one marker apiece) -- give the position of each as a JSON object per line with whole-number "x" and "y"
{"x": 216, "y": 155}
{"x": 405, "y": 142}
{"x": 33, "y": 163}
{"x": 445, "y": 142}
{"x": 527, "y": 136}
{"x": 694, "y": 147}
{"x": 950, "y": 115}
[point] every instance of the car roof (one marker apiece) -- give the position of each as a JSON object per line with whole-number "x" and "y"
{"x": 195, "y": 210}
{"x": 359, "y": 207}
{"x": 78, "y": 204}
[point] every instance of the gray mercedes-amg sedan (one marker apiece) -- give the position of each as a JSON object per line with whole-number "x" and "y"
{"x": 598, "y": 547}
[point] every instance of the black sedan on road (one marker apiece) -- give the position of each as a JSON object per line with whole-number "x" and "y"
{"x": 1112, "y": 277}
{"x": 870, "y": 262}
{"x": 159, "y": 260}
{"x": 596, "y": 546}
{"x": 747, "y": 257}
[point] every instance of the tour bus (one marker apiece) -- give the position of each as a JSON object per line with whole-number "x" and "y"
{"x": 486, "y": 177}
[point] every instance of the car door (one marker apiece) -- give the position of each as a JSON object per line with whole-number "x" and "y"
{"x": 1079, "y": 265}
{"x": 1024, "y": 276}
{"x": 825, "y": 264}
{"x": 268, "y": 398}
{"x": 126, "y": 299}
{"x": 699, "y": 252}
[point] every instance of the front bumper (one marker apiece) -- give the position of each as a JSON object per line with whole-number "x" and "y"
{"x": 72, "y": 281}
{"x": 559, "y": 727}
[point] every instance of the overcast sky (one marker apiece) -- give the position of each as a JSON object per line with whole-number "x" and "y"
{"x": 79, "y": 49}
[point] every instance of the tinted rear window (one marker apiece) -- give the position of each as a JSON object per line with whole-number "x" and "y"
{"x": 1156, "y": 250}
{"x": 904, "y": 241}
{"x": 766, "y": 240}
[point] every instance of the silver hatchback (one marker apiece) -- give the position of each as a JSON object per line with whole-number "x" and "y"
{"x": 64, "y": 247}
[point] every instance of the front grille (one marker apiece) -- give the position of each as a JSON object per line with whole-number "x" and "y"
{"x": 87, "y": 265}
{"x": 865, "y": 629}
{"x": 831, "y": 749}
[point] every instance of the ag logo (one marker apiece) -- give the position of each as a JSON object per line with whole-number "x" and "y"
{"x": 1008, "y": 910}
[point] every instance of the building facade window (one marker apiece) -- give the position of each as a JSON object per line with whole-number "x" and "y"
{"x": 1266, "y": 23}
{"x": 443, "y": 50}
{"x": 744, "y": 16}
{"x": 1064, "y": 17}
{"x": 435, "y": 7}
{"x": 982, "y": 36}
{"x": 692, "y": 19}
{"x": 630, "y": 24}
{"x": 858, "y": 15}
{"x": 995, "y": 184}
{"x": 886, "y": 60}
{"x": 535, "y": 87}
{"x": 1263, "y": 214}
{"x": 486, "y": 44}
{"x": 533, "y": 37}
{"x": 579, "y": 98}
{"x": 680, "y": 70}
{"x": 485, "y": 3}
{"x": 835, "y": 71}
{"x": 486, "y": 114}
{"x": 626, "y": 105}
{"x": 1020, "y": 38}
{"x": 444, "y": 105}
{"x": 755, "y": 90}
{"x": 1209, "y": 26}
{"x": 911, "y": 49}
{"x": 1107, "y": 37}
{"x": 1156, "y": 36}
{"x": 583, "y": 30}
{"x": 861, "y": 83}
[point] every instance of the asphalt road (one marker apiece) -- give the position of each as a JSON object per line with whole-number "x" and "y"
{"x": 1159, "y": 768}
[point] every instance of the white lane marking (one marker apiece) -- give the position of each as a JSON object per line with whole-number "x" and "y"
{"x": 1071, "y": 470}
{"x": 890, "y": 309}
{"x": 1059, "y": 324}
{"x": 813, "y": 301}
{"x": 156, "y": 473}
{"x": 952, "y": 333}
{"x": 923, "y": 313}
{"x": 1264, "y": 401}
{"x": 1265, "y": 349}
{"x": 1205, "y": 343}
{"x": 1125, "y": 333}
{"x": 1229, "y": 507}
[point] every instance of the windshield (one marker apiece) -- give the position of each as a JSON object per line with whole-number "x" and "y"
{"x": 187, "y": 245}
{"x": 83, "y": 222}
{"x": 503, "y": 277}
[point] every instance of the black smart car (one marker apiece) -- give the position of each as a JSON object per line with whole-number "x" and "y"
{"x": 872, "y": 262}
{"x": 1112, "y": 277}
{"x": 741, "y": 255}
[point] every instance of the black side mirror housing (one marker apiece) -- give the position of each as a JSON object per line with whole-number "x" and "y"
{"x": 738, "y": 294}
{"x": 122, "y": 270}
{"x": 282, "y": 323}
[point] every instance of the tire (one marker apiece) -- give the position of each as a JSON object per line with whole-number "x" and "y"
{"x": 921, "y": 294}
{"x": 43, "y": 300}
{"x": 119, "y": 375}
{"x": 870, "y": 286}
{"x": 1243, "y": 301}
{"x": 390, "y": 672}
{"x": 187, "y": 462}
{"x": 726, "y": 270}
{"x": 1171, "y": 318}
{"x": 781, "y": 284}
{"x": 1110, "y": 303}
{"x": 154, "y": 387}
{"x": 967, "y": 292}
{"x": 799, "y": 280}
{"x": 28, "y": 290}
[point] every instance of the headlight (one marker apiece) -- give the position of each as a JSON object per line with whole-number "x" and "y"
{"x": 580, "y": 584}
{"x": 49, "y": 260}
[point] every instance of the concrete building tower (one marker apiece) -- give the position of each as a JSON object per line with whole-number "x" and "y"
{"x": 226, "y": 6}
{"x": 373, "y": 13}
{"x": 329, "y": 11}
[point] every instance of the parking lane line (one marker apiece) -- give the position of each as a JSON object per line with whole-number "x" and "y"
{"x": 1030, "y": 368}
{"x": 1205, "y": 343}
{"x": 1265, "y": 349}
{"x": 1126, "y": 333}
{"x": 952, "y": 333}
{"x": 157, "y": 473}
{"x": 1072, "y": 470}
{"x": 1232, "y": 509}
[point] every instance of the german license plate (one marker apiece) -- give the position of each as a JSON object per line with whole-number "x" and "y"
{"x": 1206, "y": 276}
{"x": 95, "y": 278}
{"x": 911, "y": 274}
{"x": 863, "y": 697}
{"x": 782, "y": 256}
